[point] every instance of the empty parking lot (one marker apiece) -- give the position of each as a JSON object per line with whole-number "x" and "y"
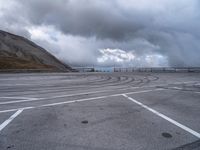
{"x": 100, "y": 111}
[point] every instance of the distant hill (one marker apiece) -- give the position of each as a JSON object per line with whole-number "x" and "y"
{"x": 17, "y": 52}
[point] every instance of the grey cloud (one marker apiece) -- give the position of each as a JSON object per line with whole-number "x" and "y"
{"x": 164, "y": 27}
{"x": 102, "y": 19}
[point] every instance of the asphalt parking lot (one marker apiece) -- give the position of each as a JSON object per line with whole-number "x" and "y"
{"x": 100, "y": 111}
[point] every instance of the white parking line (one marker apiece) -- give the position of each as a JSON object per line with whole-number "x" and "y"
{"x": 12, "y": 97}
{"x": 15, "y": 109}
{"x": 187, "y": 82}
{"x": 11, "y": 84}
{"x": 29, "y": 99}
{"x": 165, "y": 117}
{"x": 78, "y": 100}
{"x": 100, "y": 97}
{"x": 177, "y": 88}
{"x": 5, "y": 123}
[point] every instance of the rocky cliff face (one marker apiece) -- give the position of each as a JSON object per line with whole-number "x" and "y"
{"x": 17, "y": 52}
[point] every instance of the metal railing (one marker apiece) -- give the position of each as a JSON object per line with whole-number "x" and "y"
{"x": 158, "y": 69}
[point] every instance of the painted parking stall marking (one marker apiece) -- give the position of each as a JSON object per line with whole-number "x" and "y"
{"x": 165, "y": 117}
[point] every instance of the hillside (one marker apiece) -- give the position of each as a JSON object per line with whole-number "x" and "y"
{"x": 17, "y": 52}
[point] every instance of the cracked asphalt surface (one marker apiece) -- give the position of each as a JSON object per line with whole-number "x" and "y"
{"x": 100, "y": 111}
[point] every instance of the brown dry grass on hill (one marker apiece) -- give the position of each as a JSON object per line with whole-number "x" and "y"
{"x": 16, "y": 63}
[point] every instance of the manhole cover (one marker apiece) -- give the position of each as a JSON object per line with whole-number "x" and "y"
{"x": 84, "y": 121}
{"x": 166, "y": 135}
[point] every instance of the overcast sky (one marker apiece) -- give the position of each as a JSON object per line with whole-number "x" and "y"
{"x": 109, "y": 32}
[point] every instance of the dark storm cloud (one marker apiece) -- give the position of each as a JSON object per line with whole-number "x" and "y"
{"x": 102, "y": 19}
{"x": 146, "y": 28}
